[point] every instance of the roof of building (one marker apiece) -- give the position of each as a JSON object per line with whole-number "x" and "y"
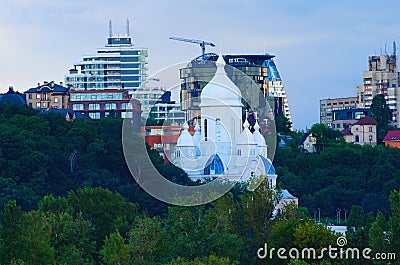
{"x": 65, "y": 112}
{"x": 304, "y": 137}
{"x": 285, "y": 194}
{"x": 347, "y": 131}
{"x": 13, "y": 97}
{"x": 366, "y": 121}
{"x": 392, "y": 136}
{"x": 48, "y": 87}
{"x": 269, "y": 168}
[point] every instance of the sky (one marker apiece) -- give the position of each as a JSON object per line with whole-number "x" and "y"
{"x": 321, "y": 47}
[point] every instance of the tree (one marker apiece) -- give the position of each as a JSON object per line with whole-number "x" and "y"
{"x": 324, "y": 135}
{"x": 378, "y": 234}
{"x": 283, "y": 125}
{"x": 115, "y": 251}
{"x": 380, "y": 111}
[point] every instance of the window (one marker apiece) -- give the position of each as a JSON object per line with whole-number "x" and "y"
{"x": 370, "y": 128}
{"x": 110, "y": 106}
{"x": 94, "y": 106}
{"x": 218, "y": 129}
{"x": 357, "y": 139}
{"x": 94, "y": 115}
{"x": 30, "y": 96}
{"x": 178, "y": 153}
{"x": 37, "y": 104}
{"x": 55, "y": 100}
{"x": 205, "y": 129}
{"x": 77, "y": 107}
{"x": 44, "y": 105}
{"x": 38, "y": 96}
{"x": 239, "y": 152}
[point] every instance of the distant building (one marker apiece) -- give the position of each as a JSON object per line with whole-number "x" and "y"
{"x": 68, "y": 114}
{"x": 255, "y": 66}
{"x": 98, "y": 104}
{"x": 119, "y": 65}
{"x": 327, "y": 106}
{"x": 382, "y": 77}
{"x": 48, "y": 95}
{"x": 363, "y": 132}
{"x": 284, "y": 199}
{"x": 12, "y": 97}
{"x": 392, "y": 139}
{"x": 342, "y": 118}
{"x": 166, "y": 111}
{"x": 148, "y": 96}
{"x": 162, "y": 139}
{"x": 308, "y": 142}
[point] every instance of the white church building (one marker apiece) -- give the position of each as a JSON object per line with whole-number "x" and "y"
{"x": 223, "y": 146}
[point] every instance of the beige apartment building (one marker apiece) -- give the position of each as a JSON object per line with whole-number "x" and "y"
{"x": 382, "y": 77}
{"x": 48, "y": 95}
{"x": 327, "y": 106}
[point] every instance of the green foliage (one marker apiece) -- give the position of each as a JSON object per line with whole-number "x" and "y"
{"x": 115, "y": 251}
{"x": 283, "y": 125}
{"x": 211, "y": 260}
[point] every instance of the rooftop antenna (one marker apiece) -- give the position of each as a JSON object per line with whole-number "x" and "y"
{"x": 394, "y": 48}
{"x": 127, "y": 27}
{"x": 110, "y": 28}
{"x": 385, "y": 47}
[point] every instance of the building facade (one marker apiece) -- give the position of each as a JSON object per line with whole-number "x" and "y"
{"x": 99, "y": 104}
{"x": 392, "y": 139}
{"x": 327, "y": 106}
{"x": 119, "y": 65}
{"x": 243, "y": 67}
{"x": 382, "y": 77}
{"x": 363, "y": 132}
{"x": 48, "y": 95}
{"x": 342, "y": 118}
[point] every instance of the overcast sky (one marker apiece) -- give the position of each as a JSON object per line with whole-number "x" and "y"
{"x": 321, "y": 47}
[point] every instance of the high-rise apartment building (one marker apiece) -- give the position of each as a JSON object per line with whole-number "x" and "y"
{"x": 256, "y": 67}
{"x": 382, "y": 77}
{"x": 119, "y": 65}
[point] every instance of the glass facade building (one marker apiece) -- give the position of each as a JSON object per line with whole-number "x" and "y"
{"x": 119, "y": 65}
{"x": 256, "y": 67}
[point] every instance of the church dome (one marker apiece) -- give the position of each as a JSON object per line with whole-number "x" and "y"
{"x": 185, "y": 139}
{"x": 13, "y": 97}
{"x": 221, "y": 91}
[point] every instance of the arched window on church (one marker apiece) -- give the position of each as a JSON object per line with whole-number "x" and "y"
{"x": 178, "y": 153}
{"x": 357, "y": 139}
{"x": 239, "y": 152}
{"x": 218, "y": 129}
{"x": 232, "y": 129}
{"x": 205, "y": 129}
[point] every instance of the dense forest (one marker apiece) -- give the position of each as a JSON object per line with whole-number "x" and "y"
{"x": 68, "y": 198}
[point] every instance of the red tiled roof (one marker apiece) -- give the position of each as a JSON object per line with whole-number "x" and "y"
{"x": 367, "y": 121}
{"x": 392, "y": 136}
{"x": 347, "y": 131}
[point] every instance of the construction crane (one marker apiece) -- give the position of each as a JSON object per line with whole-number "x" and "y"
{"x": 200, "y": 42}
